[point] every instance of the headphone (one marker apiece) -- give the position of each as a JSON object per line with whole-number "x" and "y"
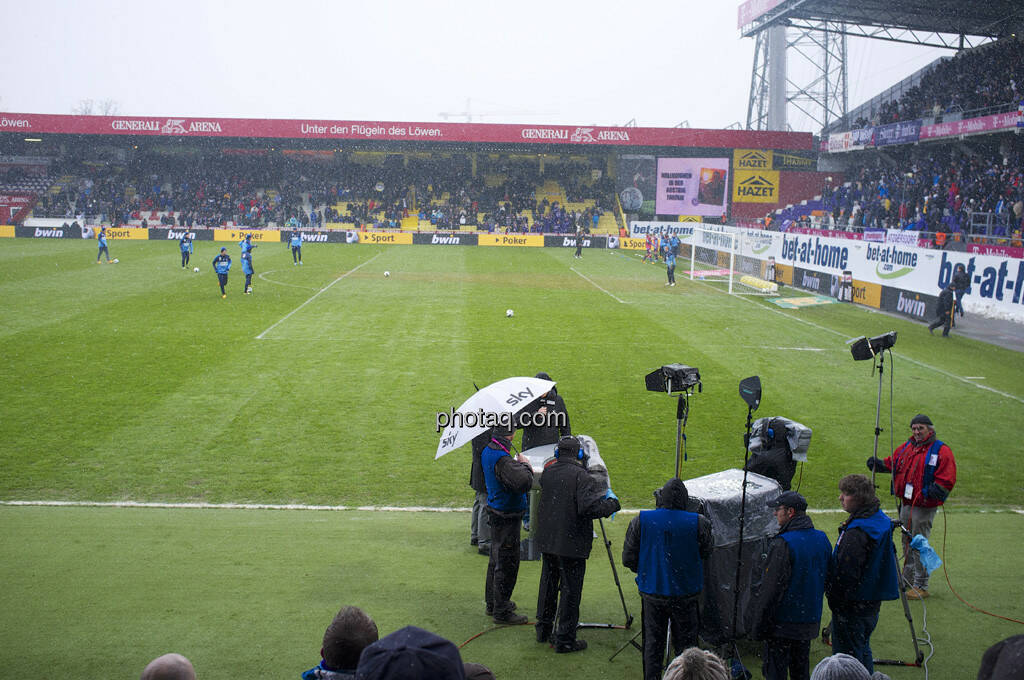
{"x": 570, "y": 443}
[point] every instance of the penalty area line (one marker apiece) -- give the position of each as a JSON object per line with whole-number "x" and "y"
{"x": 315, "y": 295}
{"x": 586, "y": 278}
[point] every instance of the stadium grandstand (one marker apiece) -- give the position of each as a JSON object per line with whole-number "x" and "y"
{"x": 138, "y": 171}
{"x": 938, "y": 152}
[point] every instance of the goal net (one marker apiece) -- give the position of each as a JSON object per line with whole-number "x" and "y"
{"x": 716, "y": 257}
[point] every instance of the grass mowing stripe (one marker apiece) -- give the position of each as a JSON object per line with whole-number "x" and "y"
{"x": 316, "y": 294}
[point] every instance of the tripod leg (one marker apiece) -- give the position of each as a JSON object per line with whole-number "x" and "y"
{"x": 918, "y": 654}
{"x": 615, "y": 573}
{"x": 630, "y": 641}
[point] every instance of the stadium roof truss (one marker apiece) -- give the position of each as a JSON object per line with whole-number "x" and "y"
{"x": 816, "y": 30}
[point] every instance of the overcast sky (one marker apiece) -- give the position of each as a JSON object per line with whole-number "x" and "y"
{"x": 555, "y": 61}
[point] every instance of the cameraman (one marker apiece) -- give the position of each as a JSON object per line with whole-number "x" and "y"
{"x": 555, "y": 419}
{"x": 570, "y": 500}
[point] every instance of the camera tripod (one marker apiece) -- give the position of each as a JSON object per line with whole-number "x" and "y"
{"x": 826, "y": 633}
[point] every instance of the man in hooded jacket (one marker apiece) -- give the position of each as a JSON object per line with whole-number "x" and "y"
{"x": 570, "y": 500}
{"x": 666, "y": 547}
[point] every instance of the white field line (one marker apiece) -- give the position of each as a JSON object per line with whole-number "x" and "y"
{"x": 316, "y": 294}
{"x": 262, "y": 276}
{"x": 612, "y": 295}
{"x": 333, "y": 508}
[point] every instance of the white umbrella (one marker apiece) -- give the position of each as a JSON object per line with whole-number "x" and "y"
{"x": 482, "y": 411}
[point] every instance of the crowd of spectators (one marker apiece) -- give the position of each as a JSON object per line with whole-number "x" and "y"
{"x": 988, "y": 76}
{"x": 259, "y": 189}
{"x": 935, "y": 194}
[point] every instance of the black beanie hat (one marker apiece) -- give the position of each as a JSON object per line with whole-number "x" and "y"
{"x": 921, "y": 419}
{"x": 569, "y": 444}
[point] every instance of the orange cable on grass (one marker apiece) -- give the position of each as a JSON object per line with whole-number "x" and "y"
{"x": 950, "y": 584}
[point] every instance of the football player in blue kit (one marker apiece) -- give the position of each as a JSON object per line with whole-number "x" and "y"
{"x": 221, "y": 265}
{"x": 185, "y": 243}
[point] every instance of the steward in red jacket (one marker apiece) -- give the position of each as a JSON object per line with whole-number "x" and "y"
{"x": 923, "y": 473}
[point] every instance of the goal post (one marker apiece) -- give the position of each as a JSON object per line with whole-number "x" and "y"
{"x": 713, "y": 255}
{"x": 721, "y": 255}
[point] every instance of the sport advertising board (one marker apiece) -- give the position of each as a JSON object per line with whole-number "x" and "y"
{"x": 258, "y": 235}
{"x": 400, "y": 238}
{"x": 528, "y": 240}
{"x": 127, "y": 234}
{"x": 569, "y": 241}
{"x": 997, "y": 282}
{"x": 638, "y": 229}
{"x": 172, "y": 234}
{"x": 444, "y": 239}
{"x": 756, "y": 186}
{"x": 376, "y": 130}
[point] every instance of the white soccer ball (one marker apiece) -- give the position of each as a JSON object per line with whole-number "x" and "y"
{"x": 387, "y": 274}
{"x": 116, "y": 260}
{"x": 195, "y": 269}
{"x": 509, "y": 313}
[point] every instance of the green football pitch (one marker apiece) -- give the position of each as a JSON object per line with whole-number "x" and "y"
{"x": 137, "y": 382}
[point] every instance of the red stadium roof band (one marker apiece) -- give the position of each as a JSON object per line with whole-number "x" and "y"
{"x": 576, "y": 136}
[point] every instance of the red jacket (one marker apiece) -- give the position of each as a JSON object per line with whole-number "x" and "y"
{"x": 907, "y": 464}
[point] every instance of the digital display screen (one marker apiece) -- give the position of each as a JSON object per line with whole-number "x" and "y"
{"x": 692, "y": 186}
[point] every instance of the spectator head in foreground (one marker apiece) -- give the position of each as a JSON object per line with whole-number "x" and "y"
{"x": 169, "y": 667}
{"x": 411, "y": 653}
{"x": 840, "y": 667}
{"x": 351, "y": 631}
{"x": 477, "y": 671}
{"x": 697, "y": 664}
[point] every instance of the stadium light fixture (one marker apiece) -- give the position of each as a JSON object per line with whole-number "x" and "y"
{"x": 863, "y": 349}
